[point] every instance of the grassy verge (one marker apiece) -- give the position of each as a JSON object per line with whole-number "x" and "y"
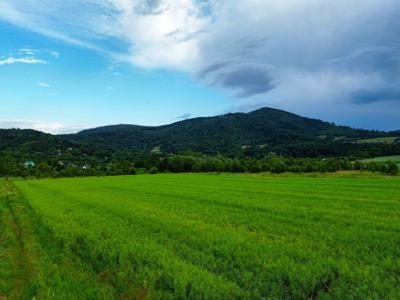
{"x": 32, "y": 265}
{"x": 16, "y": 271}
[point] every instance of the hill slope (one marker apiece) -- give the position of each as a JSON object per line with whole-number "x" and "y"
{"x": 263, "y": 130}
{"x": 251, "y": 134}
{"x": 31, "y": 144}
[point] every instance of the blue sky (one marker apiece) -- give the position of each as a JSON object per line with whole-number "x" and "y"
{"x": 65, "y": 66}
{"x": 78, "y": 88}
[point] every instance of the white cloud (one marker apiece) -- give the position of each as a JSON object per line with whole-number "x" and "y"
{"x": 291, "y": 53}
{"x": 28, "y": 51}
{"x": 166, "y": 38}
{"x": 55, "y": 54}
{"x": 44, "y": 85}
{"x": 22, "y": 60}
{"x": 48, "y": 127}
{"x": 39, "y": 17}
{"x": 150, "y": 33}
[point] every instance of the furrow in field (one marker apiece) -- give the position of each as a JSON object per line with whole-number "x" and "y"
{"x": 366, "y": 195}
{"x": 128, "y": 242}
{"x": 325, "y": 207}
{"x": 146, "y": 223}
{"x": 233, "y": 244}
{"x": 291, "y": 213}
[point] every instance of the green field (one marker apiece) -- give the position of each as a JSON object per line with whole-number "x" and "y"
{"x": 384, "y": 140}
{"x": 192, "y": 236}
{"x": 385, "y": 159}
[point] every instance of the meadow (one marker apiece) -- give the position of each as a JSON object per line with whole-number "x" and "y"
{"x": 382, "y": 159}
{"x": 201, "y": 236}
{"x": 384, "y": 140}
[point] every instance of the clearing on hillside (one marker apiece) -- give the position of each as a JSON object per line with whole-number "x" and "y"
{"x": 384, "y": 140}
{"x": 385, "y": 159}
{"x": 199, "y": 236}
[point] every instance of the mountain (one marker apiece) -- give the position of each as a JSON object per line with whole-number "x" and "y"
{"x": 261, "y": 131}
{"x": 236, "y": 134}
{"x": 32, "y": 141}
{"x": 31, "y": 144}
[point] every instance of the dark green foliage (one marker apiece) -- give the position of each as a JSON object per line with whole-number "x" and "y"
{"x": 52, "y": 155}
{"x": 192, "y": 162}
{"x": 392, "y": 168}
{"x": 153, "y": 170}
{"x": 264, "y": 140}
{"x": 133, "y": 171}
{"x": 253, "y": 134}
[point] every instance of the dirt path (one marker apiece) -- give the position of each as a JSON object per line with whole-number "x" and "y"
{"x": 13, "y": 247}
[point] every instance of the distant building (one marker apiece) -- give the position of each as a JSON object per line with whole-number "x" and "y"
{"x": 29, "y": 164}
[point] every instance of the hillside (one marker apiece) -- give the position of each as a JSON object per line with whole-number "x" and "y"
{"x": 24, "y": 144}
{"x": 237, "y": 134}
{"x": 261, "y": 131}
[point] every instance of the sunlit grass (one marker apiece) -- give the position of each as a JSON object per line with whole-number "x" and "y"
{"x": 224, "y": 236}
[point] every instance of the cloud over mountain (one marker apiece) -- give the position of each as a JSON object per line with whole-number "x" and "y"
{"x": 294, "y": 54}
{"x": 48, "y": 127}
{"x": 21, "y": 60}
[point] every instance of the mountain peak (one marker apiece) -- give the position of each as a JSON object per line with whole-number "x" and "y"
{"x": 266, "y": 128}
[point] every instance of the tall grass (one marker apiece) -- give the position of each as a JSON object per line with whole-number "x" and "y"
{"x": 224, "y": 237}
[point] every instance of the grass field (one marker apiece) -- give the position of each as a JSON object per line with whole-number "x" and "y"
{"x": 384, "y": 140}
{"x": 385, "y": 159}
{"x": 201, "y": 237}
{"x": 393, "y": 158}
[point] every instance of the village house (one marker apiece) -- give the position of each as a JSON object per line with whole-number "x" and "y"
{"x": 29, "y": 164}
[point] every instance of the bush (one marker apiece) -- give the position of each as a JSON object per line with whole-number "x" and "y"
{"x": 133, "y": 171}
{"x": 392, "y": 169}
{"x": 153, "y": 170}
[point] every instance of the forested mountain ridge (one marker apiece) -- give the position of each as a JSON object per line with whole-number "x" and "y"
{"x": 262, "y": 131}
{"x": 32, "y": 144}
{"x": 253, "y": 134}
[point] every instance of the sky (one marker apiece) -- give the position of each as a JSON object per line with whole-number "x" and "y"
{"x": 70, "y": 65}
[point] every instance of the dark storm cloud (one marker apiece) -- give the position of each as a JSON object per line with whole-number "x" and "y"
{"x": 247, "y": 80}
{"x": 369, "y": 59}
{"x": 365, "y": 96}
{"x": 337, "y": 60}
{"x": 247, "y": 44}
{"x": 346, "y": 47}
{"x": 212, "y": 68}
{"x": 382, "y": 64}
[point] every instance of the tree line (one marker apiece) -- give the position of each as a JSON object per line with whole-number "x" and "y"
{"x": 185, "y": 163}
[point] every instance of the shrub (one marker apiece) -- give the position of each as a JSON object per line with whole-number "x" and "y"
{"x": 153, "y": 170}
{"x": 392, "y": 169}
{"x": 133, "y": 171}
